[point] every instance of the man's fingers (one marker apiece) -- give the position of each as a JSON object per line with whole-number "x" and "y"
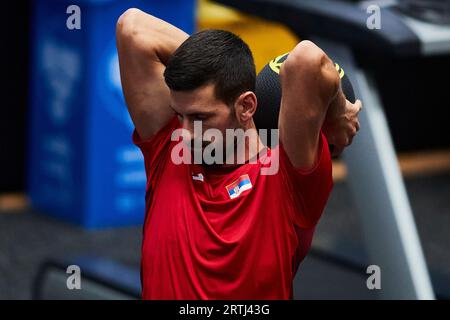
{"x": 358, "y": 105}
{"x": 349, "y": 129}
{"x": 355, "y": 107}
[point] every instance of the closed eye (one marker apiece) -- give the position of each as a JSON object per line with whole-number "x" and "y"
{"x": 198, "y": 117}
{"x": 192, "y": 116}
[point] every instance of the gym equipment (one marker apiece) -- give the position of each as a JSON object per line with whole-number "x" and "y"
{"x": 80, "y": 129}
{"x": 341, "y": 29}
{"x": 268, "y": 93}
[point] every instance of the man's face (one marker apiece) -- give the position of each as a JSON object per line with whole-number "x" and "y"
{"x": 202, "y": 105}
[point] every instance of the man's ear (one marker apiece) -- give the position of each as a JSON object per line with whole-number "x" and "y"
{"x": 245, "y": 106}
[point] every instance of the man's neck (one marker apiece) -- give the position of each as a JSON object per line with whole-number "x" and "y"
{"x": 253, "y": 147}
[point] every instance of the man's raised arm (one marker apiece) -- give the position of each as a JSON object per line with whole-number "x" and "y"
{"x": 145, "y": 44}
{"x": 310, "y": 84}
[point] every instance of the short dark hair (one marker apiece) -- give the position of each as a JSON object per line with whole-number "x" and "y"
{"x": 212, "y": 56}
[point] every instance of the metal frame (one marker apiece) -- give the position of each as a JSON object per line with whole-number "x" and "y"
{"x": 375, "y": 180}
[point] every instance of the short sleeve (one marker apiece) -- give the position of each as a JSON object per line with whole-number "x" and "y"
{"x": 156, "y": 148}
{"x": 309, "y": 190}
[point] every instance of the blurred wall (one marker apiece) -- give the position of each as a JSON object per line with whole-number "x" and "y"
{"x": 266, "y": 39}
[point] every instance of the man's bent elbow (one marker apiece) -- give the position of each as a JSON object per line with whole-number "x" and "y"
{"x": 134, "y": 24}
{"x": 126, "y": 24}
{"x": 305, "y": 56}
{"x": 310, "y": 60}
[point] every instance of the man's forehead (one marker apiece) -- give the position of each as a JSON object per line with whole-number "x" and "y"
{"x": 195, "y": 106}
{"x": 194, "y": 101}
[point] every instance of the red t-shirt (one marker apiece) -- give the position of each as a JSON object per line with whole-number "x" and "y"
{"x": 229, "y": 233}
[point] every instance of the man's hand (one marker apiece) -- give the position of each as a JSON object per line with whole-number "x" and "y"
{"x": 341, "y": 123}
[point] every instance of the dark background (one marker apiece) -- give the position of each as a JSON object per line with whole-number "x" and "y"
{"x": 14, "y": 26}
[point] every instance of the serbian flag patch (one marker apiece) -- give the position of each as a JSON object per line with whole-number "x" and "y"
{"x": 240, "y": 185}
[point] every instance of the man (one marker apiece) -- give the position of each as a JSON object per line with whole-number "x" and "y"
{"x": 226, "y": 231}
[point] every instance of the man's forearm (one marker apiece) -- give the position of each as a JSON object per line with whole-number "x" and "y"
{"x": 337, "y": 104}
{"x": 341, "y": 122}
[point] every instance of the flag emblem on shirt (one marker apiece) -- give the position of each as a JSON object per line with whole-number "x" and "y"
{"x": 239, "y": 186}
{"x": 198, "y": 177}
